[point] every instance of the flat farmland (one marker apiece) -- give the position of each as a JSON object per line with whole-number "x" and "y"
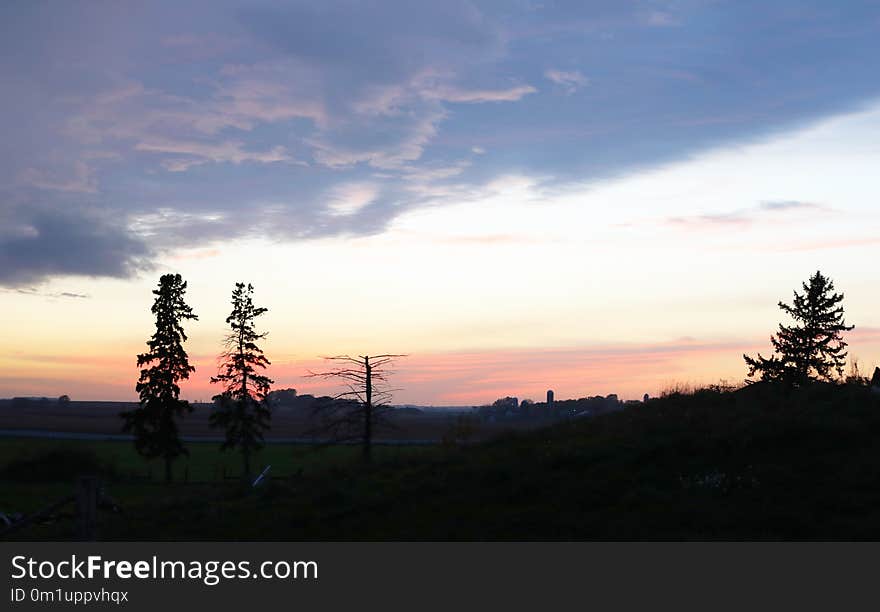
{"x": 102, "y": 418}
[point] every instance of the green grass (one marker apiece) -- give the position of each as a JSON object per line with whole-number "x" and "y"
{"x": 754, "y": 464}
{"x": 204, "y": 463}
{"x": 36, "y": 472}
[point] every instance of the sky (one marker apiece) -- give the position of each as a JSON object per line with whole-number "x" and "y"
{"x": 591, "y": 197}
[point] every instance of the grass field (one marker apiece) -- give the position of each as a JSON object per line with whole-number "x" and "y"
{"x": 103, "y": 418}
{"x": 205, "y": 462}
{"x": 753, "y": 464}
{"x": 35, "y": 472}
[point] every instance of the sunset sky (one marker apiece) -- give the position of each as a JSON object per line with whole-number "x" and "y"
{"x": 594, "y": 197}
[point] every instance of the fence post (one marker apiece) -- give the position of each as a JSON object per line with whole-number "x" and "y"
{"x": 87, "y": 508}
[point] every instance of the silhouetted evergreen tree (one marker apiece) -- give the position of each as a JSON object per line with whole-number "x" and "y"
{"x": 153, "y": 423}
{"x": 241, "y": 409}
{"x": 813, "y": 348}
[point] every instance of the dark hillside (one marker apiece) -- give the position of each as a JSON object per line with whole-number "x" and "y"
{"x": 754, "y": 464}
{"x": 750, "y": 464}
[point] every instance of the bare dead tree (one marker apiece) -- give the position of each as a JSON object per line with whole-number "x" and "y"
{"x": 357, "y": 412}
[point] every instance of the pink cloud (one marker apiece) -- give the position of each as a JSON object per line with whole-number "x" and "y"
{"x": 570, "y": 81}
{"x": 464, "y": 96}
{"x": 196, "y": 255}
{"x": 819, "y": 245}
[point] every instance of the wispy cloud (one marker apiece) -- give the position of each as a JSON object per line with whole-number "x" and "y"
{"x": 708, "y": 220}
{"x": 764, "y": 211}
{"x": 189, "y": 153}
{"x": 828, "y": 244}
{"x": 79, "y": 177}
{"x": 570, "y": 81}
{"x": 195, "y": 255}
{"x": 787, "y": 205}
{"x": 472, "y": 96}
{"x": 349, "y": 198}
{"x": 659, "y": 19}
{"x": 38, "y": 293}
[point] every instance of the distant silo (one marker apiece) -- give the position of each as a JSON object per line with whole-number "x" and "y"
{"x": 646, "y": 398}
{"x": 550, "y": 398}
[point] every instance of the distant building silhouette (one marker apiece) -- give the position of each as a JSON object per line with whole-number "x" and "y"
{"x": 550, "y": 398}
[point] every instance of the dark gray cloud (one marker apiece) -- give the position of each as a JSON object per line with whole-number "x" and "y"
{"x": 37, "y": 242}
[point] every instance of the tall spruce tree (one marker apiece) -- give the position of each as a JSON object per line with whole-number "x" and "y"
{"x": 813, "y": 348}
{"x": 241, "y": 409}
{"x": 154, "y": 421}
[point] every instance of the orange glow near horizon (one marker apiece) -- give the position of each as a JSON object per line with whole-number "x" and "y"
{"x": 453, "y": 378}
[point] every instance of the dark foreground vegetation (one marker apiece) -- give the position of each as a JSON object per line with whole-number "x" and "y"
{"x": 763, "y": 462}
